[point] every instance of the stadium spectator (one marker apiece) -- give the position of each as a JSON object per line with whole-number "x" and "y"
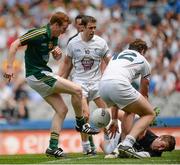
{"x": 21, "y": 97}
{"x": 166, "y": 84}
{"x": 42, "y": 42}
{"x": 15, "y": 107}
{"x": 10, "y": 112}
{"x": 78, "y": 25}
{"x": 154, "y": 16}
{"x": 84, "y": 53}
{"x": 177, "y": 87}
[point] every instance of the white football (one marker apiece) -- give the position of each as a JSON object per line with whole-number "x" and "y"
{"x": 100, "y": 117}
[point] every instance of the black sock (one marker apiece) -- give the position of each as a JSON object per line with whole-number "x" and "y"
{"x": 91, "y": 142}
{"x": 80, "y": 121}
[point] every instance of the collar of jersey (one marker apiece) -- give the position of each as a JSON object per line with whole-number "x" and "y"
{"x": 48, "y": 31}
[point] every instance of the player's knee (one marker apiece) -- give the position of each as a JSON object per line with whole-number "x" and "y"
{"x": 153, "y": 115}
{"x": 86, "y": 117}
{"x": 62, "y": 111}
{"x": 65, "y": 110}
{"x": 78, "y": 91}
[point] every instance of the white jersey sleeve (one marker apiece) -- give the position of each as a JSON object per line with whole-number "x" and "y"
{"x": 127, "y": 66}
{"x": 105, "y": 50}
{"x": 69, "y": 51}
{"x": 146, "y": 70}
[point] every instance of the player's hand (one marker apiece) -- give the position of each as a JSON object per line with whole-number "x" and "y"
{"x": 113, "y": 129}
{"x": 8, "y": 74}
{"x": 57, "y": 53}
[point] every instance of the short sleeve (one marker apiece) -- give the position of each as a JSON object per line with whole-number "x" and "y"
{"x": 105, "y": 50}
{"x": 32, "y": 36}
{"x": 146, "y": 71}
{"x": 69, "y": 51}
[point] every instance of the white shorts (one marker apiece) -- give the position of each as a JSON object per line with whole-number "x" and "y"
{"x": 90, "y": 90}
{"x": 45, "y": 85}
{"x": 115, "y": 92}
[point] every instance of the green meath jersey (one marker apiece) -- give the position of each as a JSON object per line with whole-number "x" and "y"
{"x": 39, "y": 44}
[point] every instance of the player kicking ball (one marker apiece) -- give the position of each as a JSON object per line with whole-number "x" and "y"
{"x": 40, "y": 44}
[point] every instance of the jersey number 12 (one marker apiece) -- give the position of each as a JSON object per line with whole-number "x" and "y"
{"x": 126, "y": 56}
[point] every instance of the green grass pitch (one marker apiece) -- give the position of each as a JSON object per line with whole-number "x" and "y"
{"x": 77, "y": 158}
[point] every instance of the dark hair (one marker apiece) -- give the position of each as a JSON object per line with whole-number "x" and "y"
{"x": 80, "y": 16}
{"x": 86, "y": 19}
{"x": 59, "y": 17}
{"x": 138, "y": 45}
{"x": 170, "y": 140}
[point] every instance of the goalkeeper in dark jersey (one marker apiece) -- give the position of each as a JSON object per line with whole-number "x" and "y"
{"x": 148, "y": 144}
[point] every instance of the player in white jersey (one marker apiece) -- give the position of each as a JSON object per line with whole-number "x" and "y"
{"x": 117, "y": 91}
{"x": 85, "y": 52}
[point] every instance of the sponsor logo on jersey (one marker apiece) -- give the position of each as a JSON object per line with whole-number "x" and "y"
{"x": 77, "y": 50}
{"x": 87, "y": 63}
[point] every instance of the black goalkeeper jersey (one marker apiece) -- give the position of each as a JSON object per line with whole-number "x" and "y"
{"x": 144, "y": 144}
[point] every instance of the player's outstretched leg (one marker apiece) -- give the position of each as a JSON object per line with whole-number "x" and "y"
{"x": 82, "y": 126}
{"x": 57, "y": 153}
{"x": 86, "y": 128}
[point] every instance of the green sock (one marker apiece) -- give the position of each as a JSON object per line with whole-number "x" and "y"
{"x": 91, "y": 142}
{"x": 80, "y": 121}
{"x": 53, "y": 143}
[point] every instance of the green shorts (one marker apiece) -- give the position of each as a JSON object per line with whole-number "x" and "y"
{"x": 43, "y": 83}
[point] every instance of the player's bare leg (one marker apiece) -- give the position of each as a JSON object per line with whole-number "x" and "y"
{"x": 66, "y": 86}
{"x": 144, "y": 109}
{"x": 57, "y": 103}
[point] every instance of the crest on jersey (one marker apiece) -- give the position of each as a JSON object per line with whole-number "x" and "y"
{"x": 87, "y": 51}
{"x": 97, "y": 51}
{"x": 87, "y": 63}
{"x": 50, "y": 45}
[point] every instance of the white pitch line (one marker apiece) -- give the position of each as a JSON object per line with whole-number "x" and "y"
{"x": 67, "y": 159}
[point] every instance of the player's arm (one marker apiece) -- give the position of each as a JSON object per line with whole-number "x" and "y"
{"x": 10, "y": 58}
{"x": 105, "y": 62}
{"x": 107, "y": 58}
{"x": 66, "y": 67}
{"x": 145, "y": 78}
{"x": 113, "y": 128}
{"x": 57, "y": 53}
{"x": 126, "y": 124}
{"x": 144, "y": 86}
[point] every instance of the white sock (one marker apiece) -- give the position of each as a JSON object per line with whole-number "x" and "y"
{"x": 106, "y": 137}
{"x": 86, "y": 146}
{"x": 128, "y": 141}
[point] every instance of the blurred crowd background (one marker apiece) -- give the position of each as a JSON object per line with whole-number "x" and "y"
{"x": 118, "y": 22}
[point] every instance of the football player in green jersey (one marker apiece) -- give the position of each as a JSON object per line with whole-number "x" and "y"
{"x": 41, "y": 43}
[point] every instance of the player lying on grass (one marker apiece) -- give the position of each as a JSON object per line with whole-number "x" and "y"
{"x": 148, "y": 144}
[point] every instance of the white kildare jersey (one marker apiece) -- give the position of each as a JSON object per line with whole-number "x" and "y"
{"x": 127, "y": 66}
{"x": 86, "y": 57}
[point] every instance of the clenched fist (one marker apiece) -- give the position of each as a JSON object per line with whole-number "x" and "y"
{"x": 57, "y": 53}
